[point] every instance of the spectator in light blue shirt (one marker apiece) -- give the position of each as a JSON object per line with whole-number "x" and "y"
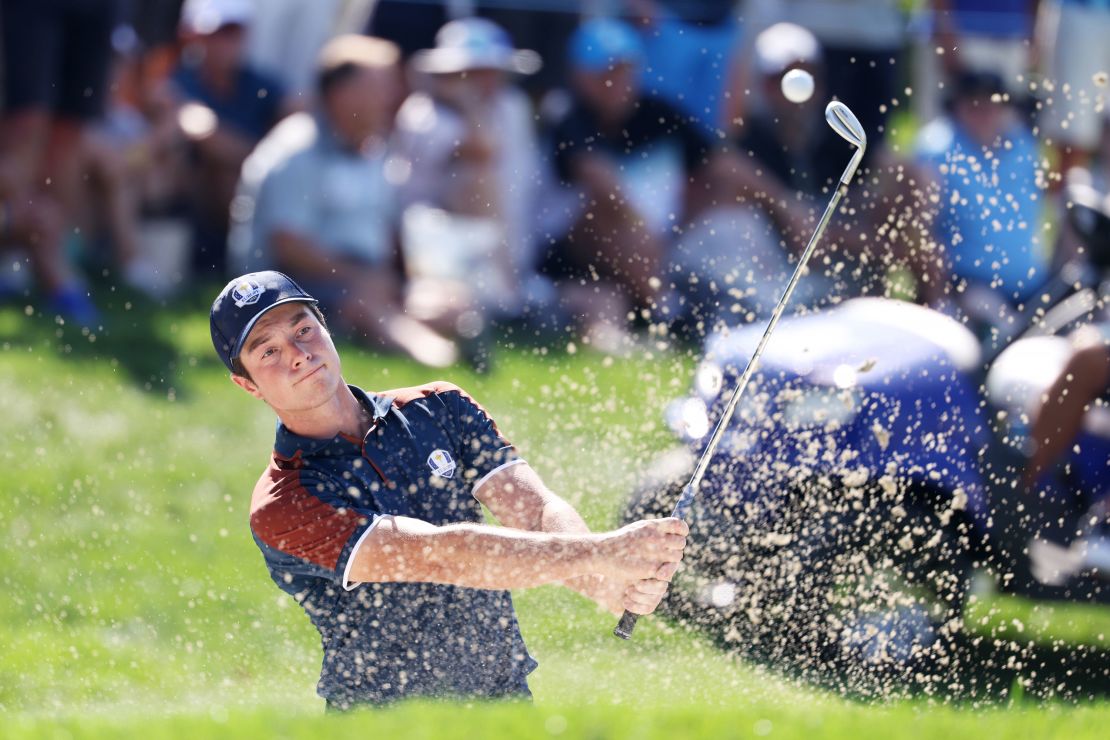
{"x": 984, "y": 158}
{"x": 317, "y": 201}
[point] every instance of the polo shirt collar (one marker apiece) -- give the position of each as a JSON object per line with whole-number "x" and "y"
{"x": 290, "y": 445}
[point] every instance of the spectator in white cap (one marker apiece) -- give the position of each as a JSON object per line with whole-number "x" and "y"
{"x": 468, "y": 182}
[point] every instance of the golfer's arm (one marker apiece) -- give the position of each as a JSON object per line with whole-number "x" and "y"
{"x": 517, "y": 497}
{"x": 471, "y": 555}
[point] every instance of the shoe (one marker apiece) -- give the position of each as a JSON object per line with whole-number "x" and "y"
{"x": 73, "y": 304}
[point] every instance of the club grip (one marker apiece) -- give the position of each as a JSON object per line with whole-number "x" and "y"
{"x": 626, "y": 625}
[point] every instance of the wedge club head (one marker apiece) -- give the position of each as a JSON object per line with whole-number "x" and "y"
{"x": 848, "y": 127}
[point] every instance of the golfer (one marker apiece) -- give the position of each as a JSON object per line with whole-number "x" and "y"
{"x": 369, "y": 515}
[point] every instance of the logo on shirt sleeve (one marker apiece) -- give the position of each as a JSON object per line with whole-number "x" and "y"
{"x": 442, "y": 464}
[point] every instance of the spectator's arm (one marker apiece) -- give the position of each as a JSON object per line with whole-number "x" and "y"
{"x": 216, "y": 142}
{"x": 302, "y": 255}
{"x": 744, "y": 179}
{"x": 596, "y": 174}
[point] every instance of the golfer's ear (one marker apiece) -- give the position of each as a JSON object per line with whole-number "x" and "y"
{"x": 246, "y": 384}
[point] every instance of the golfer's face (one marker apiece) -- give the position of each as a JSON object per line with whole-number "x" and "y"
{"x": 291, "y": 359}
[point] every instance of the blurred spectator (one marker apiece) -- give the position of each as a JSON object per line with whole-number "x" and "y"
{"x": 132, "y": 158}
{"x": 789, "y": 162}
{"x": 788, "y": 158}
{"x": 985, "y": 160}
{"x": 56, "y": 55}
{"x": 227, "y": 107}
{"x": 471, "y": 161}
{"x": 978, "y": 35}
{"x": 628, "y": 158}
{"x": 544, "y": 27}
{"x": 1078, "y": 66}
{"x": 326, "y": 212}
{"x": 688, "y": 49}
{"x": 863, "y": 42}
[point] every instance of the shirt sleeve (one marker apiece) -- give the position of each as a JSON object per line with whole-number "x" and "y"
{"x": 306, "y": 525}
{"x": 481, "y": 447}
{"x": 287, "y": 199}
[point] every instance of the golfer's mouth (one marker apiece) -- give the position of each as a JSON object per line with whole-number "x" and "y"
{"x": 318, "y": 368}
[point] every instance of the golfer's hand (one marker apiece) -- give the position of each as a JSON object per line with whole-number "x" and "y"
{"x": 643, "y": 597}
{"x": 646, "y": 550}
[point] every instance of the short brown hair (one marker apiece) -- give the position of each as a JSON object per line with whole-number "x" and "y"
{"x": 345, "y": 54}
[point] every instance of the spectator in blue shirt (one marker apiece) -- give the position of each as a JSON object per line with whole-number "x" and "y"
{"x": 327, "y": 207}
{"x": 985, "y": 161}
{"x": 226, "y": 108}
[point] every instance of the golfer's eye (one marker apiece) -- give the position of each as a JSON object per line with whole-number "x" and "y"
{"x": 304, "y": 330}
{"x": 268, "y": 352}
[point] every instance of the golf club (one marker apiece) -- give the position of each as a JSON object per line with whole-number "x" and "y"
{"x": 844, "y": 123}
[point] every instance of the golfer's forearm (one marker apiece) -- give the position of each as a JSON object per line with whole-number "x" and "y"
{"x": 560, "y": 517}
{"x": 471, "y": 555}
{"x": 518, "y": 498}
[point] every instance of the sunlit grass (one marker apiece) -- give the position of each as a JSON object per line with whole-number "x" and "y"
{"x": 137, "y": 604}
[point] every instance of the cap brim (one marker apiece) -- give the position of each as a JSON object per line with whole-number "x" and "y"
{"x": 453, "y": 61}
{"x": 242, "y": 338}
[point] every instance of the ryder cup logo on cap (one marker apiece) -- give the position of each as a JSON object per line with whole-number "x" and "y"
{"x": 246, "y": 292}
{"x": 242, "y": 303}
{"x": 441, "y": 463}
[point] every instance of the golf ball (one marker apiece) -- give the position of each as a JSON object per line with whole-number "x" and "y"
{"x": 797, "y": 85}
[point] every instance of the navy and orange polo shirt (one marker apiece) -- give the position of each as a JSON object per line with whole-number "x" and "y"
{"x": 427, "y": 450}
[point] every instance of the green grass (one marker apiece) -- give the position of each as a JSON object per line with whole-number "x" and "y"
{"x": 1021, "y": 619}
{"x": 137, "y": 604}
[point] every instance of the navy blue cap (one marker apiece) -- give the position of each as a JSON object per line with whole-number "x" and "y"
{"x": 242, "y": 303}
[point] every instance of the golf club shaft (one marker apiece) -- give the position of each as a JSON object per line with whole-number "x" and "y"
{"x": 628, "y": 620}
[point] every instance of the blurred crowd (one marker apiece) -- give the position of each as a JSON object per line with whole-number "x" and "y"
{"x": 437, "y": 171}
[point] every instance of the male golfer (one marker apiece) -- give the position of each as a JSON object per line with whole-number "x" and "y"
{"x": 369, "y": 515}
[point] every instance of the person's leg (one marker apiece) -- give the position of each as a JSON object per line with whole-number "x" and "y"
{"x": 1057, "y": 422}
{"x": 612, "y": 240}
{"x": 600, "y": 310}
{"x": 84, "y": 56}
{"x": 29, "y": 42}
{"x": 448, "y": 306}
{"x": 116, "y": 195}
